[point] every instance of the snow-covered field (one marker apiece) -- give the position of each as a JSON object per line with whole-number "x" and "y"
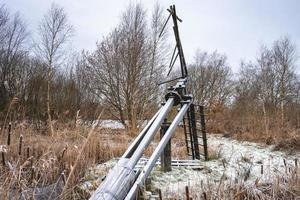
{"x": 233, "y": 161}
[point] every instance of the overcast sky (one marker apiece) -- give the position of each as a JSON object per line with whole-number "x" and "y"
{"x": 236, "y": 28}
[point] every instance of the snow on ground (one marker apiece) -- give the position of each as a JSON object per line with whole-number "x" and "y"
{"x": 113, "y": 124}
{"x": 233, "y": 161}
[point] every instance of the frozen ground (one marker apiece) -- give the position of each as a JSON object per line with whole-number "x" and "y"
{"x": 112, "y": 124}
{"x": 233, "y": 161}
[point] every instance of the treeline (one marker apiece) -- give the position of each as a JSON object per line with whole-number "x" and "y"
{"x": 33, "y": 82}
{"x": 262, "y": 99}
{"x": 42, "y": 81}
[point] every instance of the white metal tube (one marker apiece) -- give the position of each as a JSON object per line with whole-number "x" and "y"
{"x": 155, "y": 155}
{"x": 118, "y": 182}
{"x": 151, "y": 132}
{"x": 122, "y": 177}
{"x": 140, "y": 136}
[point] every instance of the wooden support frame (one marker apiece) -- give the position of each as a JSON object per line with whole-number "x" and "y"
{"x": 166, "y": 156}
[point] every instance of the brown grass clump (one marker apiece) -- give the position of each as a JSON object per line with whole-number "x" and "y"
{"x": 291, "y": 143}
{"x": 34, "y": 160}
{"x": 213, "y": 154}
{"x": 283, "y": 139}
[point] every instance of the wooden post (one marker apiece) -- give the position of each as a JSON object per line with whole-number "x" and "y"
{"x": 27, "y": 152}
{"x": 9, "y": 134}
{"x": 165, "y": 158}
{"x": 3, "y": 158}
{"x": 20, "y": 145}
{"x": 204, "y": 196}
{"x": 187, "y": 192}
{"x": 159, "y": 194}
{"x": 148, "y": 184}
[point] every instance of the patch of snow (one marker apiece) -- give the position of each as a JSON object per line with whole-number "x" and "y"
{"x": 235, "y": 161}
{"x": 112, "y": 124}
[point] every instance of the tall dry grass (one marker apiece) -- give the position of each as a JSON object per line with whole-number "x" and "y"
{"x": 33, "y": 160}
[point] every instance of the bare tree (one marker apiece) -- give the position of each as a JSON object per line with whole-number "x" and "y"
{"x": 268, "y": 87}
{"x": 159, "y": 51}
{"x": 210, "y": 78}
{"x": 55, "y": 31}
{"x": 284, "y": 57}
{"x": 266, "y": 79}
{"x": 127, "y": 65}
{"x": 13, "y": 54}
{"x": 4, "y": 18}
{"x": 297, "y": 101}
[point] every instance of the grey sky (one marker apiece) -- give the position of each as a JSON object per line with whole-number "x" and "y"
{"x": 234, "y": 27}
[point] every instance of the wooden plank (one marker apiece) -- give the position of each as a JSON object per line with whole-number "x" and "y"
{"x": 166, "y": 157}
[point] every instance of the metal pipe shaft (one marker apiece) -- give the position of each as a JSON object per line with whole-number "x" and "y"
{"x": 139, "y": 138}
{"x": 150, "y": 133}
{"x": 121, "y": 178}
{"x": 155, "y": 155}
